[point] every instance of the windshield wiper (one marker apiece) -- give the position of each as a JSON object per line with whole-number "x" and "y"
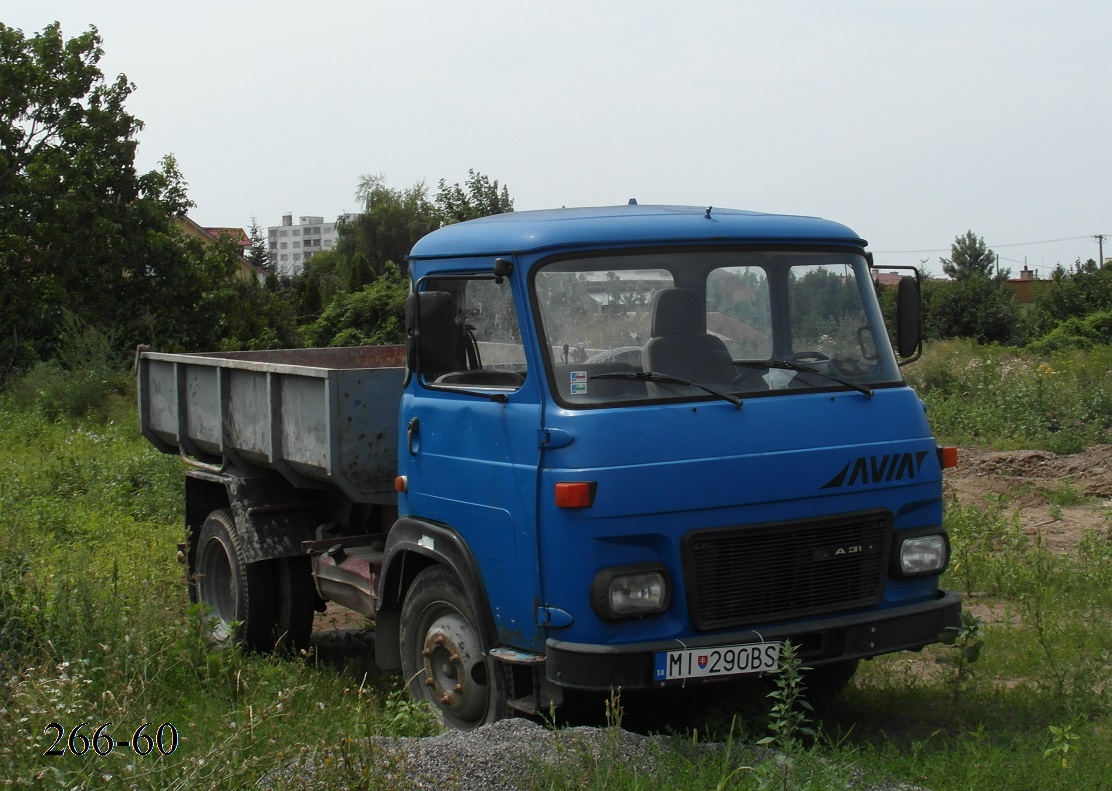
{"x": 788, "y": 365}
{"x": 653, "y": 376}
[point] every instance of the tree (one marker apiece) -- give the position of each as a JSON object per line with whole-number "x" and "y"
{"x": 390, "y": 224}
{"x": 979, "y": 308}
{"x": 481, "y": 198}
{"x": 978, "y": 303}
{"x": 80, "y": 229}
{"x": 306, "y": 297}
{"x": 393, "y": 220}
{"x": 259, "y": 254}
{"x": 359, "y": 272}
{"x": 354, "y": 293}
{"x": 970, "y": 258}
{"x": 65, "y": 150}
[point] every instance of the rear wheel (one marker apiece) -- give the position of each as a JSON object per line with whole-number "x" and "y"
{"x": 443, "y": 656}
{"x": 240, "y": 594}
{"x": 296, "y": 601}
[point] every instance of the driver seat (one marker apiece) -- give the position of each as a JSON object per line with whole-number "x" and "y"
{"x": 680, "y": 344}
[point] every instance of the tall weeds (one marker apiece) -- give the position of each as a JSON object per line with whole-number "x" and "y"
{"x": 1009, "y": 399}
{"x": 95, "y": 627}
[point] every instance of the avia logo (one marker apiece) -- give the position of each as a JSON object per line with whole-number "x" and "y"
{"x": 877, "y": 469}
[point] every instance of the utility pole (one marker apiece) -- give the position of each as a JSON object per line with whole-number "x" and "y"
{"x": 1100, "y": 249}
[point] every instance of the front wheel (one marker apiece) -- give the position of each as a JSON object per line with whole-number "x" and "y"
{"x": 240, "y": 594}
{"x": 826, "y": 681}
{"x": 443, "y": 656}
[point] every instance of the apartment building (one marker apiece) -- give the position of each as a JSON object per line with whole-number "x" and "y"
{"x": 292, "y": 245}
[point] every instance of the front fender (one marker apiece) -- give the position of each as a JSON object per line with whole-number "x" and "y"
{"x": 412, "y": 545}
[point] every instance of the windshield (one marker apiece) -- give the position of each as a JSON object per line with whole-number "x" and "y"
{"x": 702, "y": 324}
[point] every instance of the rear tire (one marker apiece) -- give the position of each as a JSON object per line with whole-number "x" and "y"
{"x": 296, "y": 601}
{"x": 240, "y": 594}
{"x": 443, "y": 654}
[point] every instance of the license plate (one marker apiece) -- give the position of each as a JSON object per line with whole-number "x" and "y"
{"x": 719, "y": 661}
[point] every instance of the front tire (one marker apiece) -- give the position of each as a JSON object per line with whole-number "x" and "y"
{"x": 443, "y": 655}
{"x": 240, "y": 594}
{"x": 825, "y": 682}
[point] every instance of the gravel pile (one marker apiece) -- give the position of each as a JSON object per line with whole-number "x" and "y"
{"x": 515, "y": 754}
{"x": 508, "y": 755}
{"x": 503, "y": 756}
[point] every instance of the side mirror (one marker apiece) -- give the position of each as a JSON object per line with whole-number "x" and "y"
{"x": 411, "y": 303}
{"x": 909, "y": 319}
{"x": 431, "y": 334}
{"x": 502, "y": 269}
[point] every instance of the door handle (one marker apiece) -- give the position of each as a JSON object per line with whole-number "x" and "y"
{"x": 411, "y": 430}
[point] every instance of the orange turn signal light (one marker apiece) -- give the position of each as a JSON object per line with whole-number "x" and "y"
{"x": 948, "y": 456}
{"x": 401, "y": 484}
{"x": 575, "y": 494}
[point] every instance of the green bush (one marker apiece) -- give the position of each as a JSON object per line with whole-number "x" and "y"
{"x": 1085, "y": 333}
{"x": 55, "y": 391}
{"x": 87, "y": 377}
{"x": 1074, "y": 294}
{"x": 374, "y": 315}
{"x": 982, "y": 309}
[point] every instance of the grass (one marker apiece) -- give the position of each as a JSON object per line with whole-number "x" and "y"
{"x": 95, "y": 628}
{"x": 1010, "y": 400}
{"x": 1043, "y": 671}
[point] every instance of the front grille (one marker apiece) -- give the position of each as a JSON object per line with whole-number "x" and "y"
{"x": 741, "y": 576}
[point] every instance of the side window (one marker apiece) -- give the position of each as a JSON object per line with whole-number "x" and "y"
{"x": 472, "y": 336}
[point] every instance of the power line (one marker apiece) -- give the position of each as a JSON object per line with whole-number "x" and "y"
{"x": 1046, "y": 241}
{"x": 990, "y": 246}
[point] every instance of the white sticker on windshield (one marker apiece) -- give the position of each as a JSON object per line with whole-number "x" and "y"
{"x": 578, "y": 382}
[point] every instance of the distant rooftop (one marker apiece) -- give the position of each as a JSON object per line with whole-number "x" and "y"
{"x": 237, "y": 235}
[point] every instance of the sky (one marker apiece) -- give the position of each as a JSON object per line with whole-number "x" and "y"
{"x": 910, "y": 121}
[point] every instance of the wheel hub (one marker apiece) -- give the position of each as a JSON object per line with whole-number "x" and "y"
{"x": 453, "y": 665}
{"x": 217, "y": 587}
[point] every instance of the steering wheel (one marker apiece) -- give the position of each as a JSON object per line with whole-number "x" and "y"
{"x": 808, "y": 356}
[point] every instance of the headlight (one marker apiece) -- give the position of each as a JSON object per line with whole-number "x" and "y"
{"x": 919, "y": 555}
{"x": 624, "y": 592}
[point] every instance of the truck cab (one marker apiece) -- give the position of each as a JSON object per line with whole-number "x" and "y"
{"x": 643, "y": 446}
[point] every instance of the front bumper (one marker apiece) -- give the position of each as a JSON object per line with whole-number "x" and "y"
{"x": 821, "y": 641}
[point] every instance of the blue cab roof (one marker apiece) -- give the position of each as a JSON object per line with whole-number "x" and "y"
{"x": 629, "y": 225}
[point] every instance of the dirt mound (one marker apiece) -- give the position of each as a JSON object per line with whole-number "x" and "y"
{"x": 1089, "y": 473}
{"x": 1059, "y": 496}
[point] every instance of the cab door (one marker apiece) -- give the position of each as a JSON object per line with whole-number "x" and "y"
{"x": 469, "y": 444}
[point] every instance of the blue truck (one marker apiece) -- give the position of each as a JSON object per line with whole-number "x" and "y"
{"x": 634, "y": 446}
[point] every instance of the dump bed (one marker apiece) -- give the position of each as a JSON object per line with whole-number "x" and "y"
{"x": 316, "y": 415}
